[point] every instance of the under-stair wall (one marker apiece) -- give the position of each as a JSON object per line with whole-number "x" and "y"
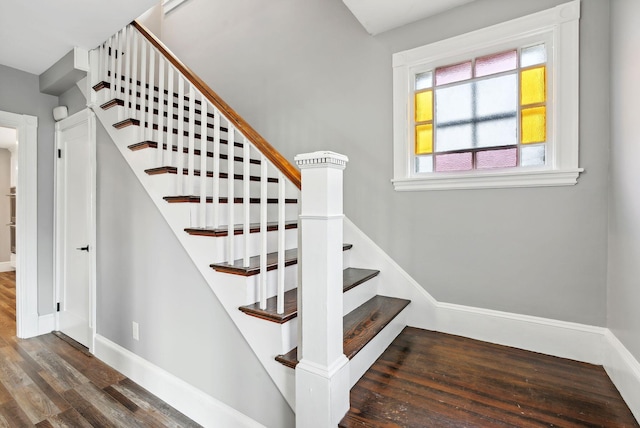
{"x": 144, "y": 275}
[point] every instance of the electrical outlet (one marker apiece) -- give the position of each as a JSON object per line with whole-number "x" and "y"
{"x": 136, "y": 331}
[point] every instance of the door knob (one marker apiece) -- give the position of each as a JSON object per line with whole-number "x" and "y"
{"x": 83, "y": 248}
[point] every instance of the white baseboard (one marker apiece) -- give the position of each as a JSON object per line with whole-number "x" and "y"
{"x": 6, "y": 266}
{"x": 547, "y": 336}
{"x": 197, "y": 405}
{"x": 624, "y": 371}
{"x": 46, "y": 323}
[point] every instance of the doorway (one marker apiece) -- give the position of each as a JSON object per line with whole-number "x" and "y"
{"x": 26, "y": 225}
{"x": 75, "y": 262}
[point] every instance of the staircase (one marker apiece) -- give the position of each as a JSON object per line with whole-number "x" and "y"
{"x": 233, "y": 202}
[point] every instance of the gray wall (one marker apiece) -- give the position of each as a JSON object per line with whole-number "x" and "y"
{"x": 624, "y": 202}
{"x": 308, "y": 77}
{"x": 5, "y": 216}
{"x": 20, "y": 93}
{"x": 144, "y": 275}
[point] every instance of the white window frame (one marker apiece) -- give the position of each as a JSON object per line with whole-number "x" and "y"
{"x": 558, "y": 28}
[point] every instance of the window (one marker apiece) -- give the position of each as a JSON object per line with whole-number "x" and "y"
{"x": 494, "y": 108}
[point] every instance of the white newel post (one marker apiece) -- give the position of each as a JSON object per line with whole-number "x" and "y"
{"x": 322, "y": 375}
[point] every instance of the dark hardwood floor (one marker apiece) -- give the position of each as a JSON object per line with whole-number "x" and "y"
{"x": 429, "y": 379}
{"x": 48, "y": 382}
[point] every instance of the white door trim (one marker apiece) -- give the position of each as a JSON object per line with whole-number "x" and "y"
{"x": 86, "y": 115}
{"x": 26, "y": 222}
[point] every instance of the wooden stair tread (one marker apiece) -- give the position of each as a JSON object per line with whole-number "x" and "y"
{"x": 120, "y": 102}
{"x": 185, "y": 171}
{"x": 222, "y": 200}
{"x": 290, "y": 258}
{"x": 185, "y": 133}
{"x": 351, "y": 277}
{"x": 154, "y": 145}
{"x": 238, "y": 229}
{"x": 359, "y": 326}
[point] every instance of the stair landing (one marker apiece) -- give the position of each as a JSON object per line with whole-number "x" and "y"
{"x": 430, "y": 379}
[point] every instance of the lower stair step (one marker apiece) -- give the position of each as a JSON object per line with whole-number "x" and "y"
{"x": 359, "y": 326}
{"x": 351, "y": 277}
{"x": 154, "y": 145}
{"x": 290, "y": 258}
{"x": 238, "y": 229}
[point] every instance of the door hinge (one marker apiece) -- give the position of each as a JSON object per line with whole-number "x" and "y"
{"x": 58, "y": 307}
{"x": 59, "y": 153}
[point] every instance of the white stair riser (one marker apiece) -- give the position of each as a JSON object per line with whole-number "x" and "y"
{"x": 216, "y": 247}
{"x": 370, "y": 353}
{"x": 359, "y": 294}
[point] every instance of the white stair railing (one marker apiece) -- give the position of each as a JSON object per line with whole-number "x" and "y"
{"x": 171, "y": 97}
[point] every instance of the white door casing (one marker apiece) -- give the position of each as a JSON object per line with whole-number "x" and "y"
{"x": 75, "y": 227}
{"x": 27, "y": 319}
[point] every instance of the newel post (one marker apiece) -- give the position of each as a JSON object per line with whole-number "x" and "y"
{"x": 322, "y": 375}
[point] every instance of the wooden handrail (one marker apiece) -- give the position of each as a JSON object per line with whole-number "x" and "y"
{"x": 280, "y": 162}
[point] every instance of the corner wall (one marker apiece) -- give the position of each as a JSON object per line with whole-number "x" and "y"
{"x": 308, "y": 77}
{"x": 624, "y": 202}
{"x": 20, "y": 94}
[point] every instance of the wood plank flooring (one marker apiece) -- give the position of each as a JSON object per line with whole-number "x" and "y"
{"x": 49, "y": 383}
{"x": 430, "y": 379}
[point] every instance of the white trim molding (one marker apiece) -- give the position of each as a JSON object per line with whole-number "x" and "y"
{"x": 6, "y": 266}
{"x": 624, "y": 371}
{"x": 558, "y": 28}
{"x": 26, "y": 222}
{"x": 197, "y": 405}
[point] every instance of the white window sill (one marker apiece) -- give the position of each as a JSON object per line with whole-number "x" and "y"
{"x": 490, "y": 180}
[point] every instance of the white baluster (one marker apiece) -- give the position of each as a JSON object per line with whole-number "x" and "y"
{"x": 143, "y": 90}
{"x": 152, "y": 80}
{"x": 161, "y": 147}
{"x": 100, "y": 77}
{"x": 230, "y": 192}
{"x": 134, "y": 74}
{"x": 192, "y": 139}
{"x": 203, "y": 163}
{"x": 264, "y": 172}
{"x": 126, "y": 74}
{"x": 180, "y": 153}
{"x": 216, "y": 169}
{"x": 246, "y": 194}
{"x": 170, "y": 110}
{"x": 118, "y": 73}
{"x": 113, "y": 43}
{"x": 281, "y": 240}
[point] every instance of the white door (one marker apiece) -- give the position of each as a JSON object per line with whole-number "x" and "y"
{"x": 75, "y": 223}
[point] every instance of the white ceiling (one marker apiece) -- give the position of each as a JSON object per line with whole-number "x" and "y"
{"x": 8, "y": 137}
{"x": 35, "y": 34}
{"x": 378, "y": 16}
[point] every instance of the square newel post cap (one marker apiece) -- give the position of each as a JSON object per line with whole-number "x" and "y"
{"x": 321, "y": 159}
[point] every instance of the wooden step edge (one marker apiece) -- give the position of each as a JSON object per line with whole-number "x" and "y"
{"x": 237, "y": 268}
{"x": 154, "y": 145}
{"x": 125, "y": 123}
{"x": 107, "y": 85}
{"x": 223, "y": 200}
{"x": 120, "y": 103}
{"x": 174, "y": 131}
{"x": 238, "y": 229}
{"x": 360, "y": 326}
{"x": 351, "y": 277}
{"x": 271, "y": 312}
{"x": 196, "y": 172}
